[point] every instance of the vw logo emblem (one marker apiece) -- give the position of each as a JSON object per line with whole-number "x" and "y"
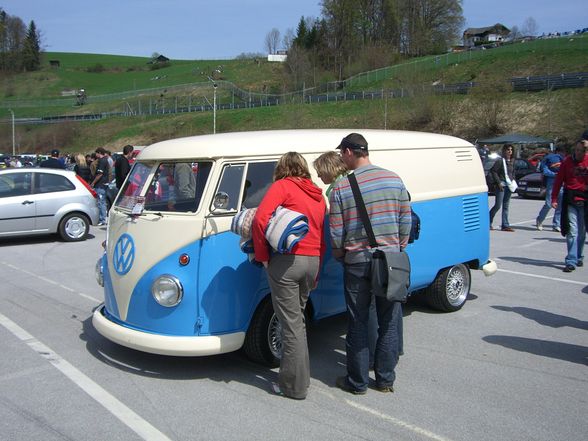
{"x": 124, "y": 254}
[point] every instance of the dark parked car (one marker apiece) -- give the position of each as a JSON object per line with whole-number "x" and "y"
{"x": 532, "y": 186}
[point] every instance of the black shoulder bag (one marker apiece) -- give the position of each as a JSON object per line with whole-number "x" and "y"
{"x": 390, "y": 270}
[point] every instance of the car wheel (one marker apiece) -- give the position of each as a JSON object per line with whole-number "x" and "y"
{"x": 74, "y": 227}
{"x": 450, "y": 289}
{"x": 263, "y": 341}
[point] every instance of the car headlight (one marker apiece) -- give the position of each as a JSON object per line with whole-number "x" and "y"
{"x": 167, "y": 290}
{"x": 99, "y": 273}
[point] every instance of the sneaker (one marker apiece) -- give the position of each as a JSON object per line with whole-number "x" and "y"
{"x": 101, "y": 224}
{"x": 539, "y": 226}
{"x": 557, "y": 229}
{"x": 384, "y": 389}
{"x": 343, "y": 384}
{"x": 510, "y": 230}
{"x": 491, "y": 228}
{"x": 580, "y": 263}
{"x": 569, "y": 268}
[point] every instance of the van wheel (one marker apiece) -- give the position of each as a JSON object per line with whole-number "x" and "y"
{"x": 450, "y": 289}
{"x": 263, "y": 341}
{"x": 74, "y": 227}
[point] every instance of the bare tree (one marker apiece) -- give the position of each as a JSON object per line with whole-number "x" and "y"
{"x": 272, "y": 40}
{"x": 529, "y": 27}
{"x": 288, "y": 39}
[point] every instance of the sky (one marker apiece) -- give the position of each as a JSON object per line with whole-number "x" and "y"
{"x": 223, "y": 29}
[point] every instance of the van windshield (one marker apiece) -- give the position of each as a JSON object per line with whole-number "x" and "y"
{"x": 170, "y": 186}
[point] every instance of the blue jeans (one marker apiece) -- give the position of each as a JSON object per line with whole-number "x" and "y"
{"x": 576, "y": 235}
{"x": 358, "y": 297}
{"x": 547, "y": 206}
{"x": 502, "y": 201}
{"x": 102, "y": 212}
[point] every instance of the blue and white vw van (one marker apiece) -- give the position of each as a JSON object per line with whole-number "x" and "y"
{"x": 176, "y": 281}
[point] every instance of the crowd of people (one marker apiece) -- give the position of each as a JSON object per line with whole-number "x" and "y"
{"x": 566, "y": 183}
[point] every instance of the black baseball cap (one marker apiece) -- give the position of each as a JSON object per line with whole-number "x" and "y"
{"x": 54, "y": 152}
{"x": 354, "y": 141}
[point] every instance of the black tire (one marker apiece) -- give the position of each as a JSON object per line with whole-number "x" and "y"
{"x": 74, "y": 227}
{"x": 263, "y": 342}
{"x": 450, "y": 289}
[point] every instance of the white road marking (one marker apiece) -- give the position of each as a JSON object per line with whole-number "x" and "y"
{"x": 128, "y": 417}
{"x": 52, "y": 282}
{"x": 398, "y": 422}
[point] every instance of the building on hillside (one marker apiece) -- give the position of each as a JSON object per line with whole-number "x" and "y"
{"x": 480, "y": 36}
{"x": 279, "y": 56}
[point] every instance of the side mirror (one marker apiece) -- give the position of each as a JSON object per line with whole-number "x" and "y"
{"x": 221, "y": 201}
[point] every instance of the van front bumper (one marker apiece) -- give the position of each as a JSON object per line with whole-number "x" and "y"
{"x": 166, "y": 344}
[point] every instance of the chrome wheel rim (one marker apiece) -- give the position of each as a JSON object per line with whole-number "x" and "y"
{"x": 75, "y": 227}
{"x": 274, "y": 336}
{"x": 457, "y": 286}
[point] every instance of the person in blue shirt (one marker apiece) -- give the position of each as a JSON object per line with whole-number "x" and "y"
{"x": 549, "y": 167}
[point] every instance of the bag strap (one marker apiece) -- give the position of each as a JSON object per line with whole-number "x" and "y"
{"x": 363, "y": 214}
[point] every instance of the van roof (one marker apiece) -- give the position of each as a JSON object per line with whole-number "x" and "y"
{"x": 278, "y": 142}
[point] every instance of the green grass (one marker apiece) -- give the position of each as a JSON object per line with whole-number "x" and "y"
{"x": 126, "y": 80}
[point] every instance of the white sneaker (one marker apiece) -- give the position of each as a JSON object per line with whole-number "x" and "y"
{"x": 539, "y": 226}
{"x": 557, "y": 229}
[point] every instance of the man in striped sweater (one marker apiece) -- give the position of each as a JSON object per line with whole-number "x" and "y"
{"x": 388, "y": 206}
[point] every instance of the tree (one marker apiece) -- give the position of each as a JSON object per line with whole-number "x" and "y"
{"x": 529, "y": 27}
{"x": 31, "y": 52}
{"x": 271, "y": 41}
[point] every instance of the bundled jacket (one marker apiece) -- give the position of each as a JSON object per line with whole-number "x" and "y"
{"x": 296, "y": 194}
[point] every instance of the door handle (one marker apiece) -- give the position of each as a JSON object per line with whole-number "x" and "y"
{"x": 27, "y": 202}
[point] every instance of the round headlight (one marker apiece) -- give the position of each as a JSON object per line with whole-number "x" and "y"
{"x": 167, "y": 290}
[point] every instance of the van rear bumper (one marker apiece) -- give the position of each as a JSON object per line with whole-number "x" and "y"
{"x": 489, "y": 268}
{"x": 166, "y": 344}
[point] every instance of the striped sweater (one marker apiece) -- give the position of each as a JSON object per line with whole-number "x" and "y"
{"x": 387, "y": 204}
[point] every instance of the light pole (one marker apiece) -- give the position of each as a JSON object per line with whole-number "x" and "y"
{"x": 214, "y": 85}
{"x": 13, "y": 145}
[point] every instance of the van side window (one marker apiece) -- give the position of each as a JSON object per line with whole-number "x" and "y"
{"x": 230, "y": 183}
{"x": 260, "y": 176}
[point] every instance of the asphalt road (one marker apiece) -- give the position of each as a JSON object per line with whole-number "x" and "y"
{"x": 511, "y": 365}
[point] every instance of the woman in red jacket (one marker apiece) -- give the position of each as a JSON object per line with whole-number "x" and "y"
{"x": 292, "y": 276}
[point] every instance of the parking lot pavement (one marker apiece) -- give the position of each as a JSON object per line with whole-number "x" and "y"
{"x": 512, "y": 364}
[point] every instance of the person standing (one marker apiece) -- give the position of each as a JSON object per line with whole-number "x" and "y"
{"x": 388, "y": 206}
{"x": 292, "y": 276}
{"x": 100, "y": 183}
{"x": 503, "y": 176}
{"x": 81, "y": 168}
{"x": 549, "y": 167}
{"x": 122, "y": 166}
{"x": 573, "y": 175}
{"x": 53, "y": 161}
{"x": 330, "y": 168}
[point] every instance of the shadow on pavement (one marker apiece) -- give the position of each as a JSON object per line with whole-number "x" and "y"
{"x": 552, "y": 349}
{"x": 533, "y": 262}
{"x": 545, "y": 318}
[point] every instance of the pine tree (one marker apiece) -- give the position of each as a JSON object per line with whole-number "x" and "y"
{"x": 31, "y": 53}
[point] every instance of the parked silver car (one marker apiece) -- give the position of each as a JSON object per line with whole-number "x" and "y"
{"x": 44, "y": 201}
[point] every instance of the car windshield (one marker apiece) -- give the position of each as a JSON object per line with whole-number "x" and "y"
{"x": 169, "y": 186}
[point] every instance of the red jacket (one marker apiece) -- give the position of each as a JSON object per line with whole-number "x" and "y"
{"x": 297, "y": 194}
{"x": 573, "y": 175}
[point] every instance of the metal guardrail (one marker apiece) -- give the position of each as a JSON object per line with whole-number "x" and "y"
{"x": 251, "y": 100}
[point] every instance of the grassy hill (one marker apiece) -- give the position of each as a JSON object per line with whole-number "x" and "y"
{"x": 116, "y": 82}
